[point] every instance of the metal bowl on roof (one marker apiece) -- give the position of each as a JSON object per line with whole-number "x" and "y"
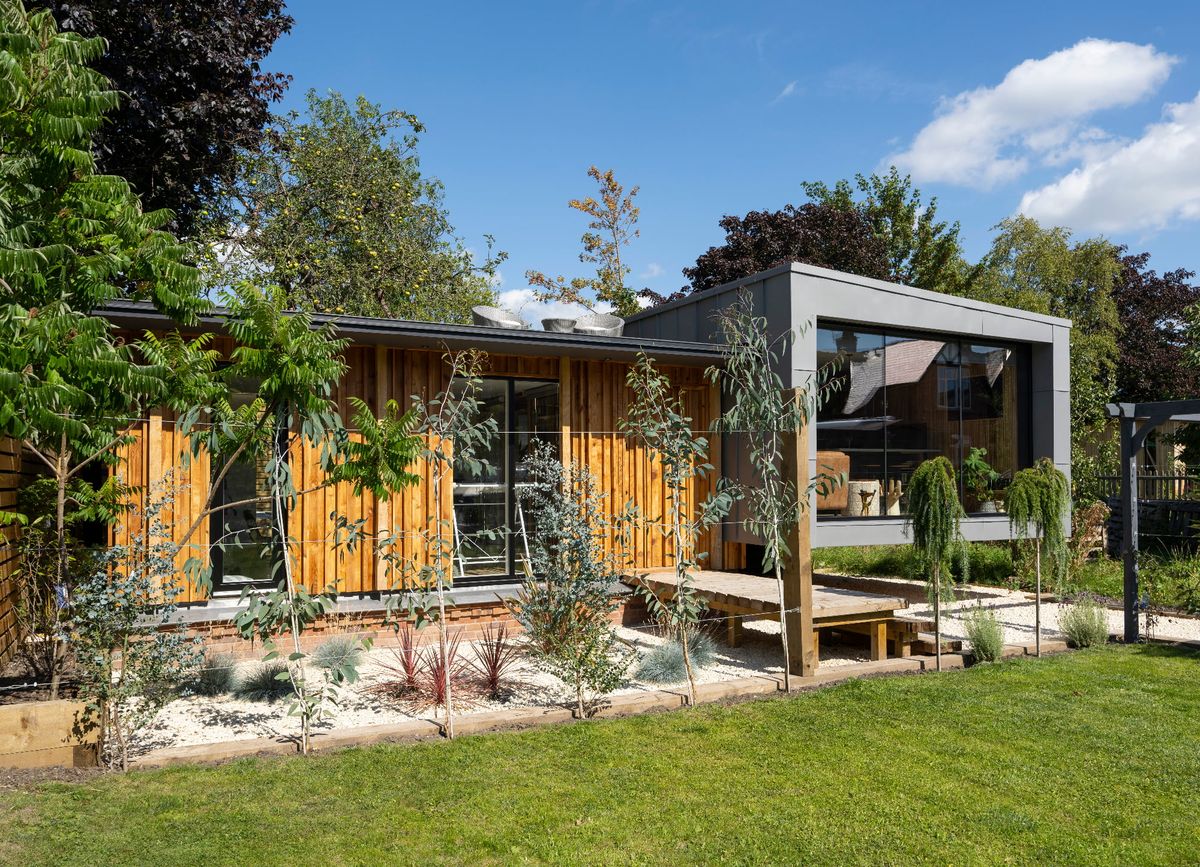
{"x": 562, "y": 326}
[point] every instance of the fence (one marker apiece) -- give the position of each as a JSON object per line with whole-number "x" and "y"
{"x": 1155, "y": 487}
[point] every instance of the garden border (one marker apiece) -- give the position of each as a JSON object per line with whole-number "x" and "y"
{"x": 735, "y": 689}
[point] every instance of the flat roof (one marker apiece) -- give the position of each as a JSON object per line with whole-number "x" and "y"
{"x": 426, "y": 335}
{"x": 843, "y": 277}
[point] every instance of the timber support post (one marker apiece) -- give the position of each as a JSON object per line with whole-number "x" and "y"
{"x": 798, "y": 572}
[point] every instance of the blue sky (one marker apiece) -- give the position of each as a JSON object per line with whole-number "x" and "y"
{"x": 1084, "y": 114}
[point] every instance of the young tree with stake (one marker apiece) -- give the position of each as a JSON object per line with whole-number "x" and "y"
{"x": 762, "y": 416}
{"x": 659, "y": 421}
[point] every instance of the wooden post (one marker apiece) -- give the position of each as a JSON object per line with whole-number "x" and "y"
{"x": 566, "y": 401}
{"x": 797, "y": 575}
{"x": 1129, "y": 524}
{"x": 716, "y": 536}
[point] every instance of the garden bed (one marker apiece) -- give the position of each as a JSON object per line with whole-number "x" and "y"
{"x": 197, "y": 719}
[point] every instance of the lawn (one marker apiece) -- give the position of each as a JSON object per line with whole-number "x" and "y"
{"x": 1091, "y": 757}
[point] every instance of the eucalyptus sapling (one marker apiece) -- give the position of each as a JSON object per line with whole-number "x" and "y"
{"x": 658, "y": 420}
{"x": 763, "y": 416}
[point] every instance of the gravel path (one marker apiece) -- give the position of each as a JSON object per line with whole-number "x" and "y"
{"x": 1016, "y": 611}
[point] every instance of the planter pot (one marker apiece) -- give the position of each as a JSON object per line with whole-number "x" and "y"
{"x": 600, "y": 325}
{"x": 495, "y": 317}
{"x": 989, "y": 507}
{"x": 562, "y": 326}
{"x": 44, "y": 734}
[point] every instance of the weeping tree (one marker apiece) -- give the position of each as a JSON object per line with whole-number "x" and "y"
{"x": 659, "y": 422}
{"x": 934, "y": 514}
{"x": 763, "y": 416}
{"x": 1039, "y": 499}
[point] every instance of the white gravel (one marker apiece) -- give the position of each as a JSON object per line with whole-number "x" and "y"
{"x": 197, "y": 719}
{"x": 1017, "y": 612}
{"x": 202, "y": 719}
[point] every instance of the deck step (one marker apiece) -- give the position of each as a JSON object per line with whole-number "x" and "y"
{"x": 926, "y": 643}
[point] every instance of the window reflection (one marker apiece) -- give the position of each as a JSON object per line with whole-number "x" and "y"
{"x": 489, "y": 524}
{"x": 902, "y": 399}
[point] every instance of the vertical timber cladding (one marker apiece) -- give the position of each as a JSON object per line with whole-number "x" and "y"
{"x": 594, "y": 399}
{"x": 10, "y": 475}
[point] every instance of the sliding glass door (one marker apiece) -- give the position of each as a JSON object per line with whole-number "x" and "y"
{"x": 489, "y": 523}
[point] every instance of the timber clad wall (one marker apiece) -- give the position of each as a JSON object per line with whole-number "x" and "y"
{"x": 10, "y": 476}
{"x": 593, "y": 397}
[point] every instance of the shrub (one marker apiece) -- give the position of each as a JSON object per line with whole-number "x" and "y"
{"x": 128, "y": 667}
{"x": 442, "y": 673}
{"x": 217, "y": 675}
{"x": 265, "y": 681}
{"x": 339, "y": 651}
{"x": 985, "y": 633}
{"x": 664, "y": 662}
{"x": 495, "y": 654}
{"x": 564, "y": 609}
{"x": 1084, "y": 622}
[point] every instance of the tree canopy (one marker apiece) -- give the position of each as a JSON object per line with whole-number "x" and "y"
{"x": 921, "y": 250}
{"x": 1152, "y": 308}
{"x": 816, "y": 234}
{"x": 193, "y": 87}
{"x": 333, "y": 208}
{"x": 612, "y": 227}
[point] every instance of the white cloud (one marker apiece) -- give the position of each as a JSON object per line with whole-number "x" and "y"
{"x": 522, "y": 302}
{"x": 651, "y": 271}
{"x": 788, "y": 90}
{"x": 991, "y": 134}
{"x": 1142, "y": 184}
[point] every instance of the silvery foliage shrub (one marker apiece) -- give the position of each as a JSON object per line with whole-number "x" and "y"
{"x": 985, "y": 633}
{"x": 338, "y": 651}
{"x": 664, "y": 663}
{"x": 129, "y": 667}
{"x": 217, "y": 675}
{"x": 1084, "y": 622}
{"x": 564, "y": 603}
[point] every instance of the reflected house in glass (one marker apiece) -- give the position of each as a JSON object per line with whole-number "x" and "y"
{"x": 918, "y": 374}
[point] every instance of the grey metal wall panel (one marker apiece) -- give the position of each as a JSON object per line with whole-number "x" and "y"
{"x": 798, "y": 295}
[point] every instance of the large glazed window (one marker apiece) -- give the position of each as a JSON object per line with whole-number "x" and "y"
{"x": 903, "y": 398}
{"x": 488, "y": 520}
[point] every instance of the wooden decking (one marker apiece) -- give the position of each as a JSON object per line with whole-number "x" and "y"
{"x": 738, "y": 595}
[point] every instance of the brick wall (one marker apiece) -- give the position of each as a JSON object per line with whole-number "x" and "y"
{"x": 468, "y": 620}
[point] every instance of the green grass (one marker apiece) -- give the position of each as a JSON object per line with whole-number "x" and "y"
{"x": 990, "y": 563}
{"x": 1090, "y": 757}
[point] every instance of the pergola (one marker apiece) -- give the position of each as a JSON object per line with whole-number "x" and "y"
{"x": 1137, "y": 421}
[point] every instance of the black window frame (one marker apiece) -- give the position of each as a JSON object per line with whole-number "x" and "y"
{"x": 511, "y": 574}
{"x": 1024, "y": 444}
